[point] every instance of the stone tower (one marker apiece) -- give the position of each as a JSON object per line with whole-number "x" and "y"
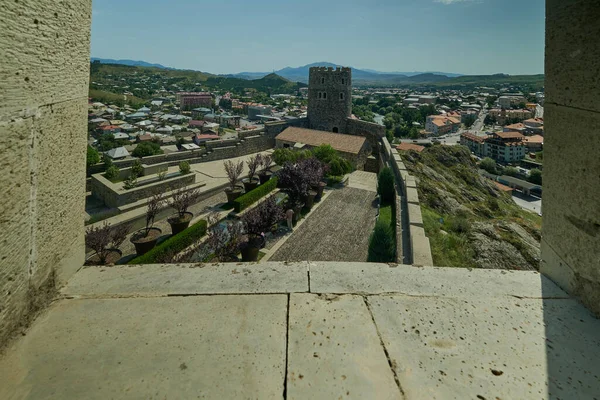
{"x": 329, "y": 98}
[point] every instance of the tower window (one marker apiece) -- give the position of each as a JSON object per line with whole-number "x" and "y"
{"x": 320, "y": 95}
{"x": 341, "y": 96}
{"x": 343, "y": 81}
{"x": 324, "y": 95}
{"x": 322, "y": 80}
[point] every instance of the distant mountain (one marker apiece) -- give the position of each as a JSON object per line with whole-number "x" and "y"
{"x": 448, "y": 74}
{"x": 133, "y": 63}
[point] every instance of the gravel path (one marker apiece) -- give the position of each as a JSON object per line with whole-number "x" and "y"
{"x": 338, "y": 230}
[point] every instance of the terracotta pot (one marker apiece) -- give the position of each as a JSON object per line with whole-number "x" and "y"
{"x": 143, "y": 243}
{"x": 310, "y": 199}
{"x": 233, "y": 194}
{"x": 250, "y": 184}
{"x": 178, "y": 224}
{"x": 265, "y": 176}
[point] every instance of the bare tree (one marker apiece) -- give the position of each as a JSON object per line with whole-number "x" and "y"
{"x": 105, "y": 239}
{"x": 182, "y": 199}
{"x": 253, "y": 163}
{"x": 234, "y": 171}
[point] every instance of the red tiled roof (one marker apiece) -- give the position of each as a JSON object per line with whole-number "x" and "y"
{"x": 410, "y": 146}
{"x": 534, "y": 139}
{"x": 509, "y": 135}
{"x": 502, "y": 187}
{"x": 475, "y": 138}
{"x": 340, "y": 142}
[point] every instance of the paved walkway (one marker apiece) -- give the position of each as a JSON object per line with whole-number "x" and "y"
{"x": 278, "y": 331}
{"x": 338, "y": 230}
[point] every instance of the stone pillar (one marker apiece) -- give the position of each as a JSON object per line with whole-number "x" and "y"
{"x": 44, "y": 73}
{"x": 571, "y": 176}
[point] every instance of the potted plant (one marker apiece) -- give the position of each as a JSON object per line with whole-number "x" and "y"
{"x": 251, "y": 182}
{"x": 265, "y": 174}
{"x": 223, "y": 239}
{"x": 181, "y": 200}
{"x": 256, "y": 222}
{"x": 145, "y": 239}
{"x": 105, "y": 242}
{"x": 234, "y": 171}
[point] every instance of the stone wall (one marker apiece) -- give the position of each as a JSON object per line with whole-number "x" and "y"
{"x": 114, "y": 195}
{"x": 373, "y": 132}
{"x": 273, "y": 129}
{"x": 44, "y": 73}
{"x": 411, "y": 220}
{"x": 571, "y": 180}
{"x": 215, "y": 150}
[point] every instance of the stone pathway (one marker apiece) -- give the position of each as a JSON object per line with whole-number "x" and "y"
{"x": 306, "y": 331}
{"x": 338, "y": 230}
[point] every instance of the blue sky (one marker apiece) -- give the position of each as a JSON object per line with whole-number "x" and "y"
{"x": 228, "y": 36}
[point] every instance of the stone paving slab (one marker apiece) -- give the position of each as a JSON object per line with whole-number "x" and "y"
{"x": 182, "y": 279}
{"x": 334, "y": 351}
{"x": 503, "y": 348}
{"x": 363, "y": 180}
{"x": 338, "y": 230}
{"x": 209, "y": 347}
{"x": 429, "y": 281}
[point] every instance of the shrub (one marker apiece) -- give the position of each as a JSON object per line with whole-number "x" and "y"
{"x": 130, "y": 182}
{"x": 92, "y": 156}
{"x": 112, "y": 172}
{"x": 511, "y": 171}
{"x": 184, "y": 167}
{"x": 385, "y": 186}
{"x": 283, "y": 156}
{"x": 262, "y": 217}
{"x": 381, "y": 243}
{"x": 247, "y": 199}
{"x": 459, "y": 225}
{"x": 173, "y": 245}
{"x": 145, "y": 149}
{"x": 489, "y": 165}
{"x": 535, "y": 176}
{"x": 137, "y": 169}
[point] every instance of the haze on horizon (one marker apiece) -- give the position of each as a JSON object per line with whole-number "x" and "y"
{"x": 460, "y": 36}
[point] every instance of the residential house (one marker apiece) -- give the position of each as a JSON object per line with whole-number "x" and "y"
{"x": 441, "y": 124}
{"x": 190, "y": 100}
{"x": 505, "y": 147}
{"x": 117, "y": 153}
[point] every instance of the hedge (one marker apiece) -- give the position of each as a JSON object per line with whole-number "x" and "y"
{"x": 385, "y": 186}
{"x": 174, "y": 244}
{"x": 385, "y": 214}
{"x": 381, "y": 243}
{"x": 247, "y": 199}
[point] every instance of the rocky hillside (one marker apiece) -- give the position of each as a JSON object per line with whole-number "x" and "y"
{"x": 469, "y": 221}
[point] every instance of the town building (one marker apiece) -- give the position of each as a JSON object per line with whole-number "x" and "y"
{"x": 511, "y": 99}
{"x": 410, "y": 146}
{"x": 190, "y": 100}
{"x": 503, "y": 116}
{"x": 505, "y": 147}
{"x": 441, "y": 124}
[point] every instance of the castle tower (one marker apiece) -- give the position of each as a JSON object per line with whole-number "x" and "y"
{"x": 329, "y": 98}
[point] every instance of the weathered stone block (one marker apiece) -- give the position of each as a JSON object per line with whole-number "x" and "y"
{"x": 421, "y": 250}
{"x": 414, "y": 215}
{"x": 572, "y": 53}
{"x": 571, "y": 182}
{"x": 412, "y": 196}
